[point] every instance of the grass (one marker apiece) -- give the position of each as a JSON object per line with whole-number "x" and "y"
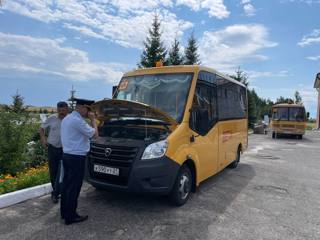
{"x": 29, "y": 178}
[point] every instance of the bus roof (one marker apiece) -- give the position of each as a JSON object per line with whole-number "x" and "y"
{"x": 287, "y": 105}
{"x": 179, "y": 69}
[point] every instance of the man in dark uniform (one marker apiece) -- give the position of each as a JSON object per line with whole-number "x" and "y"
{"x": 54, "y": 146}
{"x": 75, "y": 137}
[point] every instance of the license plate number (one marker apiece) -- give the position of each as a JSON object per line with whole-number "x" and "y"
{"x": 106, "y": 170}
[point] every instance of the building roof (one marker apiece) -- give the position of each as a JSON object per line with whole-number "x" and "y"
{"x": 287, "y": 105}
{"x": 317, "y": 81}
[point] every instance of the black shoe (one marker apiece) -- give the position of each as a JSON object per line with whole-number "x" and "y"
{"x": 77, "y": 219}
{"x": 54, "y": 198}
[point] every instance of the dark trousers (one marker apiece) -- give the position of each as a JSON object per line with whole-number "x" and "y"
{"x": 54, "y": 158}
{"x": 72, "y": 182}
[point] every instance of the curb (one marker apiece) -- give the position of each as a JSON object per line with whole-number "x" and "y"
{"x": 12, "y": 198}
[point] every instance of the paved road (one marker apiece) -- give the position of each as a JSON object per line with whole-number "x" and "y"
{"x": 273, "y": 194}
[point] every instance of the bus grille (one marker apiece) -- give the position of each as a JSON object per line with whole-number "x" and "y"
{"x": 287, "y": 126}
{"x": 121, "y": 157}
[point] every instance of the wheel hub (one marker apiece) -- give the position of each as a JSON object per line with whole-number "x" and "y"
{"x": 184, "y": 188}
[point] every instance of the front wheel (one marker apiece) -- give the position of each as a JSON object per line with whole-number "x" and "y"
{"x": 182, "y": 187}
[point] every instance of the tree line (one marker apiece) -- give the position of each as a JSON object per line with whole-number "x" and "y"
{"x": 154, "y": 51}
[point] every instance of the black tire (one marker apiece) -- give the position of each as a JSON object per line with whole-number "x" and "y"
{"x": 182, "y": 187}
{"x": 273, "y": 135}
{"x": 300, "y": 136}
{"x": 235, "y": 163}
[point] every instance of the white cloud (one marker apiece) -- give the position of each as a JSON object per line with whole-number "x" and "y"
{"x": 121, "y": 21}
{"x": 314, "y": 58}
{"x": 216, "y": 8}
{"x": 48, "y": 56}
{"x": 311, "y": 38}
{"x": 84, "y": 30}
{"x": 248, "y": 8}
{"x": 232, "y": 46}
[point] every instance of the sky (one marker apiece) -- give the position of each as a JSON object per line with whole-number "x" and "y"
{"x": 49, "y": 46}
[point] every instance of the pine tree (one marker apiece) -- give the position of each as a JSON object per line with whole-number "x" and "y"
{"x": 175, "y": 57}
{"x": 240, "y": 76}
{"x": 154, "y": 50}
{"x": 297, "y": 97}
{"x": 191, "y": 55}
{"x": 281, "y": 99}
{"x": 18, "y": 104}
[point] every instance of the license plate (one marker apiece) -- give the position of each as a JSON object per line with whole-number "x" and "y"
{"x": 106, "y": 170}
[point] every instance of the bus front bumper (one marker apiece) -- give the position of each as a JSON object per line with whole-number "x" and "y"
{"x": 289, "y": 131}
{"x": 155, "y": 176}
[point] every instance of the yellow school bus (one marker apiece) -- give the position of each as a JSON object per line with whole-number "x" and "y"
{"x": 288, "y": 119}
{"x": 167, "y": 129}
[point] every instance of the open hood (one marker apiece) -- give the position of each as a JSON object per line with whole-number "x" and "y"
{"x": 113, "y": 108}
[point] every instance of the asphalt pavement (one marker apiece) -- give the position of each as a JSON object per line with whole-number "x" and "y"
{"x": 274, "y": 193}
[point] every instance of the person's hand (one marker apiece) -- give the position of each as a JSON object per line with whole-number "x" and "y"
{"x": 91, "y": 116}
{"x": 44, "y": 143}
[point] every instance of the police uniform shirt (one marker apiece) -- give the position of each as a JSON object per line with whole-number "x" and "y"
{"x": 54, "y": 124}
{"x": 76, "y": 134}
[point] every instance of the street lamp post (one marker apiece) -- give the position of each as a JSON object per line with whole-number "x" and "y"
{"x": 317, "y": 87}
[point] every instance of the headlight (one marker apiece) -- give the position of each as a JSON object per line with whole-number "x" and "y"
{"x": 155, "y": 150}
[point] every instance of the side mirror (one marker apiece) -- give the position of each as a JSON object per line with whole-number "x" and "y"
{"x": 308, "y": 115}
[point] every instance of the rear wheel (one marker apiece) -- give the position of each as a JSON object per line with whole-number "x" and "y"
{"x": 300, "y": 136}
{"x": 235, "y": 163}
{"x": 182, "y": 187}
{"x": 273, "y": 135}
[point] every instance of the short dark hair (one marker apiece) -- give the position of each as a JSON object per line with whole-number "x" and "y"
{"x": 62, "y": 104}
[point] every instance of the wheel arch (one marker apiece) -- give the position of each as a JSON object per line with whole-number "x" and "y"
{"x": 192, "y": 166}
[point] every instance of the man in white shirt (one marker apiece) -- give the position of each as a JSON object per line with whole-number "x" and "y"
{"x": 75, "y": 136}
{"x": 54, "y": 146}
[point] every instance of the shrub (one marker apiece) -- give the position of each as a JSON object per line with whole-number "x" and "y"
{"x": 15, "y": 133}
{"x": 18, "y": 128}
{"x": 37, "y": 154}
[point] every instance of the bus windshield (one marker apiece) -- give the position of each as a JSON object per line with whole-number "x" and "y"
{"x": 289, "y": 114}
{"x": 167, "y": 92}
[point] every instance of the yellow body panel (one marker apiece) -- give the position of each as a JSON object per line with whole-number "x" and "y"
{"x": 288, "y": 127}
{"x": 210, "y": 153}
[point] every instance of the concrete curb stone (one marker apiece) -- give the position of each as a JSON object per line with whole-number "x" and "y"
{"x": 12, "y": 198}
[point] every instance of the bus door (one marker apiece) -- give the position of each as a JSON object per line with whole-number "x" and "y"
{"x": 203, "y": 119}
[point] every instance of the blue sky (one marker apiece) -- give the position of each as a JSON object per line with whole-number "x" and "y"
{"x": 48, "y": 46}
